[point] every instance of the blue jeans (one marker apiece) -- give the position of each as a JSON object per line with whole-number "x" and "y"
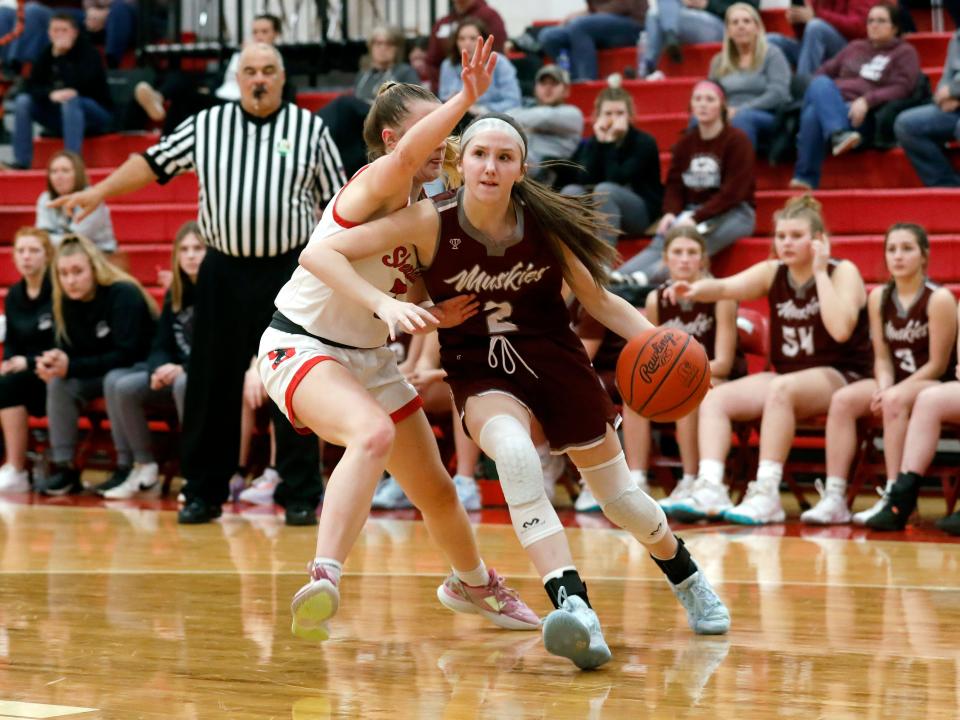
{"x": 756, "y": 124}
{"x": 583, "y": 35}
{"x": 32, "y": 40}
{"x": 72, "y": 119}
{"x": 120, "y": 31}
{"x": 922, "y": 131}
{"x": 689, "y": 25}
{"x": 821, "y": 41}
{"x": 824, "y": 113}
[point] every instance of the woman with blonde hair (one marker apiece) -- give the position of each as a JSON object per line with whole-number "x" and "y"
{"x": 754, "y": 75}
{"x": 29, "y": 331}
{"x": 819, "y": 343}
{"x": 103, "y": 319}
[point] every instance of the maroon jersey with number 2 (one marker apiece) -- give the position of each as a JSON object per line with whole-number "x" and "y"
{"x": 798, "y": 338}
{"x": 521, "y": 342}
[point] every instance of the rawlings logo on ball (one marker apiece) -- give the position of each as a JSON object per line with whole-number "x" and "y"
{"x": 662, "y": 354}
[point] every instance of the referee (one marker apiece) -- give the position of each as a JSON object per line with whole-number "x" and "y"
{"x": 264, "y": 168}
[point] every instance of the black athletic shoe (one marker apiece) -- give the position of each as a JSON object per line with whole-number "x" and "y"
{"x": 64, "y": 480}
{"x": 298, "y": 515}
{"x": 198, "y": 511}
{"x": 950, "y": 524}
{"x": 118, "y": 477}
{"x": 900, "y": 504}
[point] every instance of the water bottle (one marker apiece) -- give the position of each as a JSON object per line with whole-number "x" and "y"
{"x": 641, "y": 53}
{"x": 563, "y": 61}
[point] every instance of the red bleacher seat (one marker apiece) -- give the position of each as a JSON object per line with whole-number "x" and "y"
{"x": 151, "y": 222}
{"x": 107, "y": 150}
{"x": 23, "y": 188}
{"x": 315, "y": 100}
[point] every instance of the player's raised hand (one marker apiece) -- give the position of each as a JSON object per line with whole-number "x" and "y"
{"x": 85, "y": 200}
{"x": 454, "y": 311}
{"x": 477, "y": 73}
{"x": 407, "y": 316}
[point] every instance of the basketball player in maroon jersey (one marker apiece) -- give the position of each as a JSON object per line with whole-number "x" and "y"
{"x": 913, "y": 324}
{"x": 714, "y": 325}
{"x": 819, "y": 342}
{"x": 513, "y": 243}
{"x": 934, "y": 406}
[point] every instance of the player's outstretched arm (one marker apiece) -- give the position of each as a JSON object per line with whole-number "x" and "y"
{"x": 612, "y": 311}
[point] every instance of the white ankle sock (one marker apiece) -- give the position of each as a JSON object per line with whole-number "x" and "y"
{"x": 478, "y": 577}
{"x": 334, "y": 567}
{"x": 836, "y": 484}
{"x": 688, "y": 478}
{"x": 770, "y": 473}
{"x": 639, "y": 477}
{"x": 711, "y": 470}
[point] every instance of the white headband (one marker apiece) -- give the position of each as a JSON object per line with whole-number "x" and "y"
{"x": 493, "y": 123}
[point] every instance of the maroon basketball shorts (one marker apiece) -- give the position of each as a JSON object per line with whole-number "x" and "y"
{"x": 555, "y": 381}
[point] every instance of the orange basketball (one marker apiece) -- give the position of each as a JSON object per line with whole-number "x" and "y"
{"x": 663, "y": 374}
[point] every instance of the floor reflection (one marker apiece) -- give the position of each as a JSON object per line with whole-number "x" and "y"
{"x": 125, "y": 611}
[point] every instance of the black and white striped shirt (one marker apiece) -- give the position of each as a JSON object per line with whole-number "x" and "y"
{"x": 261, "y": 180}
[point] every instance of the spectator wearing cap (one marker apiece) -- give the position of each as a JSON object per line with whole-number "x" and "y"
{"x": 554, "y": 127}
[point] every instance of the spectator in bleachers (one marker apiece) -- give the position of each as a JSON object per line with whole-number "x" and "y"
{"x": 29, "y": 332}
{"x": 922, "y": 131}
{"x": 443, "y": 33}
{"x": 714, "y": 325}
{"x": 103, "y": 319}
{"x": 417, "y": 59}
{"x": 824, "y": 27}
{"x": 179, "y": 96}
{"x": 621, "y": 165}
{"x": 27, "y": 46}
{"x": 819, "y": 343}
{"x": 346, "y": 113}
{"x": 160, "y": 380}
{"x": 838, "y": 103}
{"x": 682, "y": 22}
{"x": 66, "y": 92}
{"x": 67, "y": 173}
{"x": 933, "y": 407}
{"x": 115, "y": 23}
{"x": 710, "y": 185}
{"x": 504, "y": 92}
{"x": 554, "y": 127}
{"x": 913, "y": 325}
{"x": 754, "y": 75}
{"x": 603, "y": 24}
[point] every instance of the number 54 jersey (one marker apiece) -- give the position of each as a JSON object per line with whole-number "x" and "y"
{"x": 798, "y": 338}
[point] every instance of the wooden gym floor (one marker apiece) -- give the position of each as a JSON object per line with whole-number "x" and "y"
{"x": 118, "y": 612}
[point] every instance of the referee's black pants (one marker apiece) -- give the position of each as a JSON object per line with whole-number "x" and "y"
{"x": 234, "y": 304}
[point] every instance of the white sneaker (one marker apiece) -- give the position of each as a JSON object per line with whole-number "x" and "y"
{"x": 390, "y": 496}
{"x": 683, "y": 490}
{"x": 830, "y": 510}
{"x": 861, "y": 517}
{"x": 143, "y": 478}
{"x": 262, "y": 489}
{"x": 13, "y": 480}
{"x": 586, "y": 502}
{"x": 760, "y": 506}
{"x": 709, "y": 500}
{"x": 467, "y": 492}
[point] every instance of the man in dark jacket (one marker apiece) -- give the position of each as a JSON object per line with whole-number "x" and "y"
{"x": 66, "y": 92}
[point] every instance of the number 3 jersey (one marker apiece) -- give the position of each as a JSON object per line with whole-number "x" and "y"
{"x": 906, "y": 331}
{"x": 798, "y": 338}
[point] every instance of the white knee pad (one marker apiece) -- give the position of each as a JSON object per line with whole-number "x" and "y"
{"x": 623, "y": 502}
{"x": 507, "y": 441}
